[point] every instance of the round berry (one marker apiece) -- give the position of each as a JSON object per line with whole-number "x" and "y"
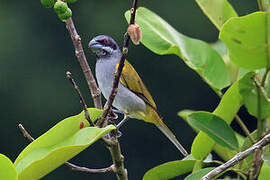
{"x": 64, "y": 16}
{"x": 60, "y": 7}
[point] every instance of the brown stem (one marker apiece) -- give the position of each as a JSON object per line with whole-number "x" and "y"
{"x": 118, "y": 160}
{"x": 79, "y": 53}
{"x": 238, "y": 157}
{"x": 82, "y": 101}
{"x": 257, "y": 163}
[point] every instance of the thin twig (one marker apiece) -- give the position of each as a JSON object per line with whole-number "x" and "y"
{"x": 25, "y": 133}
{"x": 265, "y": 77}
{"x": 72, "y": 166}
{"x": 259, "y": 2}
{"x": 238, "y": 157}
{"x": 110, "y": 100}
{"x": 244, "y": 128}
{"x": 258, "y": 161}
{"x": 87, "y": 170}
{"x": 79, "y": 52}
{"x": 82, "y": 101}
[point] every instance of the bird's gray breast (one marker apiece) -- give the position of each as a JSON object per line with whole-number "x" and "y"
{"x": 125, "y": 99}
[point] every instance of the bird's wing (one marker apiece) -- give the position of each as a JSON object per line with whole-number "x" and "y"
{"x": 131, "y": 80}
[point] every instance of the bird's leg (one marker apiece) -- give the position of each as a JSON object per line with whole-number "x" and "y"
{"x": 122, "y": 121}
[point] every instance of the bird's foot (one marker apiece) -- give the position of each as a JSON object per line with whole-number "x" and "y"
{"x": 122, "y": 122}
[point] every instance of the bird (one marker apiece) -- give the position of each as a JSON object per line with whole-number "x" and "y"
{"x": 132, "y": 97}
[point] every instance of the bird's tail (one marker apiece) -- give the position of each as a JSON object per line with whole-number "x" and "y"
{"x": 153, "y": 117}
{"x": 168, "y": 133}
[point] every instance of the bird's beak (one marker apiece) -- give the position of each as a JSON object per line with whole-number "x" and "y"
{"x": 93, "y": 44}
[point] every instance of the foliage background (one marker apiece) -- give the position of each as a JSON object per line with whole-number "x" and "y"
{"x": 36, "y": 51}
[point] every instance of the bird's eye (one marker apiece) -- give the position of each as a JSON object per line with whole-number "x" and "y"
{"x": 105, "y": 41}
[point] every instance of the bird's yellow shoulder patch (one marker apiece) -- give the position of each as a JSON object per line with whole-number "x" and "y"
{"x": 117, "y": 65}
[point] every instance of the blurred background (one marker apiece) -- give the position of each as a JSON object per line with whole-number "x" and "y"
{"x": 36, "y": 51}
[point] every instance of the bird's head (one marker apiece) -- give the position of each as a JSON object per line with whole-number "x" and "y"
{"x": 104, "y": 46}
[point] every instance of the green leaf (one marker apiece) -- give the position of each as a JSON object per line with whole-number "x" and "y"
{"x": 247, "y": 42}
{"x": 249, "y": 91}
{"x": 227, "y": 109}
{"x": 265, "y": 5}
{"x": 208, "y": 159}
{"x": 169, "y": 170}
{"x": 266, "y": 158}
{"x": 232, "y": 68}
{"x": 7, "y": 169}
{"x": 199, "y": 174}
{"x": 201, "y": 146}
{"x": 162, "y": 38}
{"x": 185, "y": 113}
{"x": 62, "y": 142}
{"x": 215, "y": 127}
{"x": 218, "y": 11}
{"x": 197, "y": 166}
{"x": 229, "y": 104}
{"x": 225, "y": 153}
{"x": 265, "y": 172}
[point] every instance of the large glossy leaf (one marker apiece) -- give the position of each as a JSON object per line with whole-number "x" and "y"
{"x": 62, "y": 142}
{"x": 162, "y": 38}
{"x": 199, "y": 174}
{"x": 232, "y": 68}
{"x": 169, "y": 170}
{"x": 7, "y": 169}
{"x": 247, "y": 41}
{"x": 227, "y": 109}
{"x": 218, "y": 11}
{"x": 249, "y": 91}
{"x": 205, "y": 143}
{"x": 214, "y": 127}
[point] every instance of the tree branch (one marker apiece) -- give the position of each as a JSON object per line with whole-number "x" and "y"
{"x": 244, "y": 128}
{"x": 110, "y": 100}
{"x": 82, "y": 101}
{"x": 72, "y": 166}
{"x": 115, "y": 150}
{"x": 238, "y": 157}
{"x": 79, "y": 53}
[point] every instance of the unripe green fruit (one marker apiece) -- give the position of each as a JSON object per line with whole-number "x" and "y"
{"x": 60, "y": 7}
{"x": 71, "y": 1}
{"x": 47, "y": 3}
{"x": 64, "y": 16}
